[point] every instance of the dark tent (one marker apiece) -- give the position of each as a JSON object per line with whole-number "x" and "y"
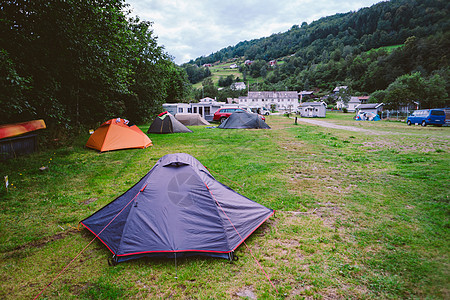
{"x": 177, "y": 209}
{"x": 166, "y": 123}
{"x": 244, "y": 120}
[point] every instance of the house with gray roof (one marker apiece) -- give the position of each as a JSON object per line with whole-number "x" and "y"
{"x": 353, "y": 103}
{"x": 375, "y": 108}
{"x": 313, "y": 109}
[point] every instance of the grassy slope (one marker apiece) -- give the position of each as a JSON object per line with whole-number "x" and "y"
{"x": 223, "y": 70}
{"x": 358, "y": 216}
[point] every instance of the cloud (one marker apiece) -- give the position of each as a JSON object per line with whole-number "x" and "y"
{"x": 194, "y": 28}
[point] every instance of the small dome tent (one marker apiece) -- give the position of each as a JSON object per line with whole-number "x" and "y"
{"x": 367, "y": 116}
{"x": 166, "y": 123}
{"x": 244, "y": 120}
{"x": 177, "y": 209}
{"x": 191, "y": 119}
{"x": 118, "y": 134}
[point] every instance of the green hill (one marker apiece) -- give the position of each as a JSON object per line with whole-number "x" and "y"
{"x": 366, "y": 50}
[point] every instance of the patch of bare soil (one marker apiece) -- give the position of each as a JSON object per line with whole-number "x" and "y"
{"x": 402, "y": 148}
{"x": 332, "y": 125}
{"x": 42, "y": 242}
{"x": 247, "y": 293}
{"x": 89, "y": 201}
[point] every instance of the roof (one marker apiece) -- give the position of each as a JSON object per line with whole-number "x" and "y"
{"x": 336, "y": 89}
{"x": 315, "y": 103}
{"x": 273, "y": 94}
{"x": 354, "y": 99}
{"x": 207, "y": 99}
{"x": 369, "y": 106}
{"x": 306, "y": 93}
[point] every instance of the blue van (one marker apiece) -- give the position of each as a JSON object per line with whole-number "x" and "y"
{"x": 426, "y": 117}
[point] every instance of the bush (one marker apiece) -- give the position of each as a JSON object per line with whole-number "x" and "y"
{"x": 344, "y": 110}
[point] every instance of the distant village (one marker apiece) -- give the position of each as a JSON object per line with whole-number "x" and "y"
{"x": 304, "y": 103}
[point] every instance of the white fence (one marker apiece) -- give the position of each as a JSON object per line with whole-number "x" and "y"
{"x": 395, "y": 114}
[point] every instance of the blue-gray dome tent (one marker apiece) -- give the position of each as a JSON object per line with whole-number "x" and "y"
{"x": 177, "y": 209}
{"x": 244, "y": 120}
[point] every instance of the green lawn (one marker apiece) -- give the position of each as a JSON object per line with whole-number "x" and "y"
{"x": 358, "y": 215}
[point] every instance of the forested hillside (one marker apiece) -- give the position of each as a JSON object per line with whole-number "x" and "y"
{"x": 350, "y": 49}
{"x": 81, "y": 62}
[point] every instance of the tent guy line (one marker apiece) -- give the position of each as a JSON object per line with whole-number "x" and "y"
{"x": 173, "y": 163}
{"x": 95, "y": 237}
{"x": 243, "y": 240}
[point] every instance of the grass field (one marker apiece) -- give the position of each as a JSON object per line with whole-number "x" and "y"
{"x": 358, "y": 215}
{"x": 388, "y": 49}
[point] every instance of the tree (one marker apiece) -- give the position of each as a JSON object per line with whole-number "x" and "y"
{"x": 226, "y": 81}
{"x": 209, "y": 90}
{"x": 406, "y": 90}
{"x": 81, "y": 62}
{"x": 379, "y": 96}
{"x": 436, "y": 94}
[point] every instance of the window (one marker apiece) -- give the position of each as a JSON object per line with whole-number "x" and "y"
{"x": 189, "y": 109}
{"x": 437, "y": 113}
{"x": 195, "y": 110}
{"x": 180, "y": 109}
{"x": 207, "y": 110}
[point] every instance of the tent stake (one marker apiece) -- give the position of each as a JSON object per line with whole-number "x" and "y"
{"x": 176, "y": 269}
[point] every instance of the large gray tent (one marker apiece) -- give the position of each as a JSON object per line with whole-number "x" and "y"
{"x": 166, "y": 123}
{"x": 191, "y": 119}
{"x": 177, "y": 209}
{"x": 244, "y": 120}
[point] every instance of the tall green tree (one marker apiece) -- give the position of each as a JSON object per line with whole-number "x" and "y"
{"x": 80, "y": 62}
{"x": 413, "y": 88}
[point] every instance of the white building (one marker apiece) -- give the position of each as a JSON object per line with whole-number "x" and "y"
{"x": 237, "y": 86}
{"x": 285, "y": 101}
{"x": 206, "y": 107}
{"x": 353, "y": 103}
{"x": 313, "y": 109}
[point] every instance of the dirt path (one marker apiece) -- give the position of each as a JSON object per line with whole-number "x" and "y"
{"x": 331, "y": 125}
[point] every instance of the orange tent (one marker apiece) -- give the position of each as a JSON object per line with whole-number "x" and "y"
{"x": 118, "y": 134}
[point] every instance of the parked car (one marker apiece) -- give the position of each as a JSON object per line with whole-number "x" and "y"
{"x": 223, "y": 113}
{"x": 261, "y": 111}
{"x": 426, "y": 117}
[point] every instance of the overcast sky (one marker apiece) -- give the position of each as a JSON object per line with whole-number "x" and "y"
{"x": 192, "y": 28}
